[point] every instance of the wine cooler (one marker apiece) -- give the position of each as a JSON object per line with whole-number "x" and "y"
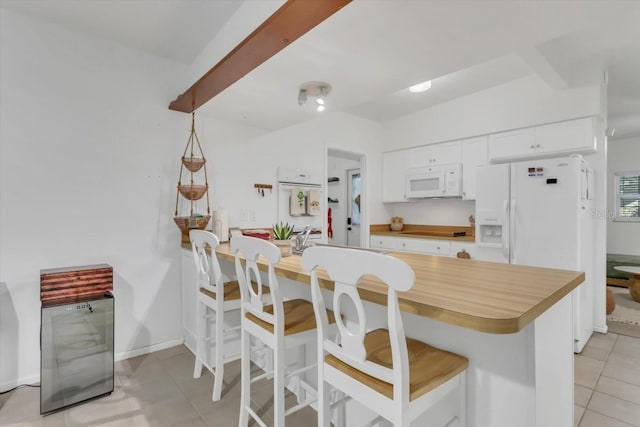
{"x": 76, "y": 337}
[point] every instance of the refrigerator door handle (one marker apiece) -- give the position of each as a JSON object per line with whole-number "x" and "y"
{"x": 505, "y": 230}
{"x": 512, "y": 229}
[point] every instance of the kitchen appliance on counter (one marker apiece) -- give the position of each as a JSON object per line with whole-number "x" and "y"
{"x": 300, "y": 200}
{"x": 538, "y": 213}
{"x": 434, "y": 181}
{"x": 76, "y": 335}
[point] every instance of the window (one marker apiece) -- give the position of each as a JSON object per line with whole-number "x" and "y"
{"x": 628, "y": 196}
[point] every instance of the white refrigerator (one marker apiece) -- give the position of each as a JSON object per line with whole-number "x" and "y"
{"x": 539, "y": 213}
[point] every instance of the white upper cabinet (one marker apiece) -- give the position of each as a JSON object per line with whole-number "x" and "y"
{"x": 436, "y": 154}
{"x": 474, "y": 154}
{"x": 394, "y": 165}
{"x": 575, "y": 136}
{"x": 513, "y": 144}
{"x": 557, "y": 139}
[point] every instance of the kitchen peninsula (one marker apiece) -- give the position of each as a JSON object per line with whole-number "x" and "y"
{"x": 514, "y": 323}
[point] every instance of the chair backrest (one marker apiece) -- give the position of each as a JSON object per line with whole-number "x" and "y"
{"x": 345, "y": 268}
{"x": 207, "y": 266}
{"x": 251, "y": 249}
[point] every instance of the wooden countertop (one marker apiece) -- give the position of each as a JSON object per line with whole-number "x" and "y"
{"x": 414, "y": 235}
{"x": 437, "y": 232}
{"x": 484, "y": 296}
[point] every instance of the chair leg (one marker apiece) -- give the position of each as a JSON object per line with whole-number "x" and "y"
{"x": 219, "y": 355}
{"x": 341, "y": 410}
{"x": 278, "y": 383}
{"x": 197, "y": 368}
{"x": 324, "y": 413}
{"x": 245, "y": 378}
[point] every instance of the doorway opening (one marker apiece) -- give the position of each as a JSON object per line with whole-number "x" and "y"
{"x": 347, "y": 216}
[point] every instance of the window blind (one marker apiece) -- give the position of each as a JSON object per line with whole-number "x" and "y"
{"x": 628, "y": 196}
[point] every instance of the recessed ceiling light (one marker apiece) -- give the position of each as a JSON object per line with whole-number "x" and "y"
{"x": 420, "y": 87}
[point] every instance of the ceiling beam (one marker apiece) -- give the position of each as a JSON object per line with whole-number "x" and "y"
{"x": 290, "y": 21}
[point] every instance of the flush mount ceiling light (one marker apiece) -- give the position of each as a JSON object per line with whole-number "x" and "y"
{"x": 420, "y": 87}
{"x": 317, "y": 90}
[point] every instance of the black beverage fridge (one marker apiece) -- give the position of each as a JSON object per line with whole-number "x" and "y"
{"x": 76, "y": 351}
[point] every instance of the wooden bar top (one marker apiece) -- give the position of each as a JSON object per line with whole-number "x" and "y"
{"x": 484, "y": 296}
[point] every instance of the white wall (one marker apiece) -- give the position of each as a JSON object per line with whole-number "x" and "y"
{"x": 89, "y": 155}
{"x": 236, "y": 165}
{"x": 520, "y": 103}
{"x": 622, "y": 237}
{"x": 434, "y": 212}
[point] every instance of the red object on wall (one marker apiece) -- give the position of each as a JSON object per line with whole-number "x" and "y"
{"x": 329, "y": 229}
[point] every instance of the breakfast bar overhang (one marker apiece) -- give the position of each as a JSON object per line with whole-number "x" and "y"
{"x": 513, "y": 323}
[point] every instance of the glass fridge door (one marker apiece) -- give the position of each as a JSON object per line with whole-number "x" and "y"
{"x": 76, "y": 351}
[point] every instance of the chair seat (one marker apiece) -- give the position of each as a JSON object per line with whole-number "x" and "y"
{"x": 429, "y": 367}
{"x": 231, "y": 291}
{"x": 298, "y": 317}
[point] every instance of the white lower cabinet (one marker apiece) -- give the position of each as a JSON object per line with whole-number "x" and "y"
{"x": 383, "y": 242}
{"x": 422, "y": 246}
{"x": 468, "y": 247}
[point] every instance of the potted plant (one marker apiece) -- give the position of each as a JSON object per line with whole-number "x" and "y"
{"x": 282, "y": 237}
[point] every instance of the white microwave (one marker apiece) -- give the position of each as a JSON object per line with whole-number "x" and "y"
{"x": 433, "y": 181}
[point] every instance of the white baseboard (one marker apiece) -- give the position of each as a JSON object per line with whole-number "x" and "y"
{"x": 8, "y": 385}
{"x": 148, "y": 349}
{"x": 601, "y": 329}
{"x": 189, "y": 339}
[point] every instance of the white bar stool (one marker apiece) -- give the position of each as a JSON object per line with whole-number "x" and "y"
{"x": 210, "y": 283}
{"x": 281, "y": 326}
{"x": 398, "y": 378}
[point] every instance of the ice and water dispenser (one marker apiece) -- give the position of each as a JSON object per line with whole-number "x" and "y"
{"x": 489, "y": 229}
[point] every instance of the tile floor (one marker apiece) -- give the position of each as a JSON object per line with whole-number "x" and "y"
{"x": 158, "y": 390}
{"x": 154, "y": 390}
{"x": 607, "y": 382}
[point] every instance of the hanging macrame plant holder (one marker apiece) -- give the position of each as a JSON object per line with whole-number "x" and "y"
{"x": 193, "y": 162}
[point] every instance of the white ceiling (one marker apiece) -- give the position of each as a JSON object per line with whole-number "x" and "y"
{"x": 372, "y": 50}
{"x": 174, "y": 29}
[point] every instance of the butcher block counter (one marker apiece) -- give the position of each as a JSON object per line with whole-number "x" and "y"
{"x": 485, "y": 296}
{"x": 436, "y": 232}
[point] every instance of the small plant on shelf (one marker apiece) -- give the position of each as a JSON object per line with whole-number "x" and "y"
{"x": 281, "y": 234}
{"x": 282, "y": 231}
